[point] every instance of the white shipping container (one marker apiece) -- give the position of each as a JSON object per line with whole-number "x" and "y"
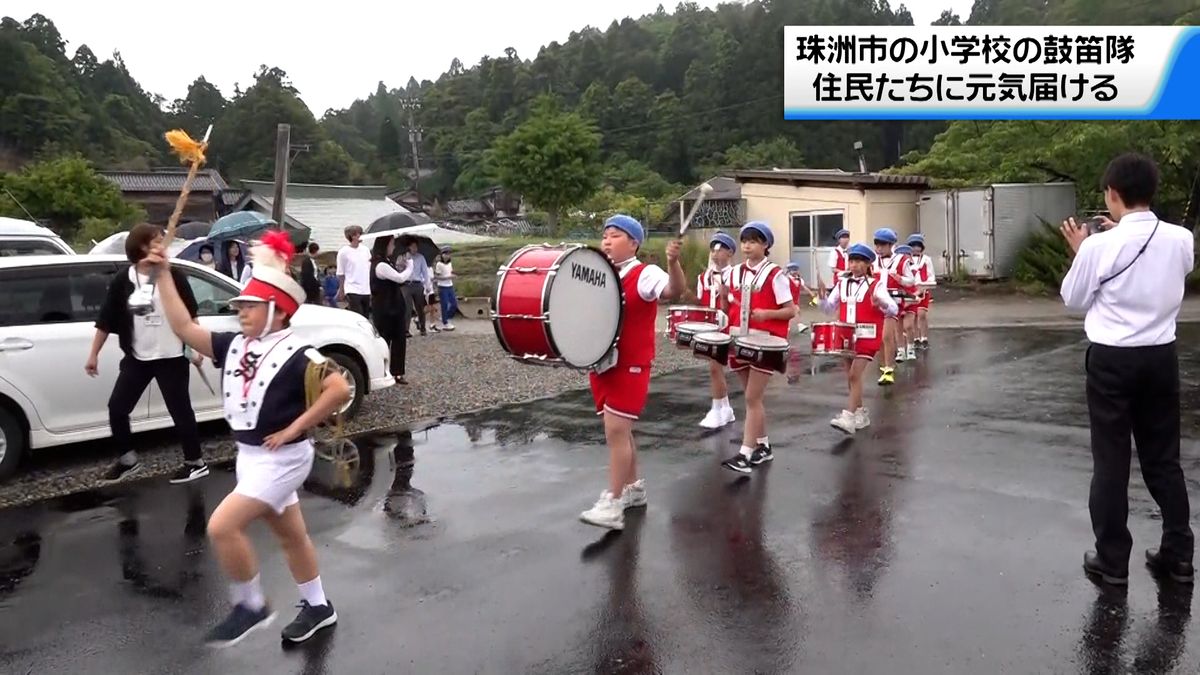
{"x": 978, "y": 232}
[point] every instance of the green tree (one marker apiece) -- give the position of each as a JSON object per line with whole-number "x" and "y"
{"x": 778, "y": 152}
{"x": 63, "y": 192}
{"x": 389, "y": 141}
{"x": 203, "y": 105}
{"x": 552, "y": 159}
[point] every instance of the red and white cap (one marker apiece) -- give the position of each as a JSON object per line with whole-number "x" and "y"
{"x": 270, "y": 280}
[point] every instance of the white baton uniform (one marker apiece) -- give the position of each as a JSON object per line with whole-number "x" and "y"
{"x": 263, "y": 390}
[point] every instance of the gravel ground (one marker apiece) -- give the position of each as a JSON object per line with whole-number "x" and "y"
{"x": 448, "y": 374}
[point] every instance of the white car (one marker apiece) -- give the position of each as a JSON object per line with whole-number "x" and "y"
{"x": 21, "y": 238}
{"x": 48, "y": 308}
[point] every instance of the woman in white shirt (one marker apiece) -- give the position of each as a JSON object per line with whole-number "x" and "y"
{"x": 389, "y": 307}
{"x": 152, "y": 353}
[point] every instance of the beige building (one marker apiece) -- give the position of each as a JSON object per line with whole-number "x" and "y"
{"x": 806, "y": 207}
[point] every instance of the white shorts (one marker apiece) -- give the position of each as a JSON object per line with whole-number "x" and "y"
{"x": 273, "y": 477}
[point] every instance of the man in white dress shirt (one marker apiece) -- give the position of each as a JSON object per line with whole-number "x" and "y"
{"x": 1129, "y": 279}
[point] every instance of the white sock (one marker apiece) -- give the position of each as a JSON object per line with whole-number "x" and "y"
{"x": 312, "y": 592}
{"x": 724, "y": 403}
{"x": 716, "y": 404}
{"x": 763, "y": 441}
{"x": 249, "y": 593}
{"x": 747, "y": 451}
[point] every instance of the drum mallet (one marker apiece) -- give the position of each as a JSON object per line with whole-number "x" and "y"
{"x": 705, "y": 189}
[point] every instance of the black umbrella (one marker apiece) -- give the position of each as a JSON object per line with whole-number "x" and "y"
{"x": 193, "y": 230}
{"x": 425, "y": 246}
{"x": 395, "y": 221}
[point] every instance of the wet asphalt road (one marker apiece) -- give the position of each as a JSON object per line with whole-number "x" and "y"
{"x": 948, "y": 539}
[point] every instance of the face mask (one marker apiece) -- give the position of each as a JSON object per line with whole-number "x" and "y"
{"x": 206, "y": 256}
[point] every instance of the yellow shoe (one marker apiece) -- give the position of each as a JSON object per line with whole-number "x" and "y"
{"x": 888, "y": 377}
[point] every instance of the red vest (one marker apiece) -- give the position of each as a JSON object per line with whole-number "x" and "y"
{"x": 795, "y": 290}
{"x": 635, "y": 345}
{"x": 856, "y": 304}
{"x": 762, "y": 296}
{"x": 924, "y": 269}
{"x": 707, "y": 287}
{"x": 897, "y": 264}
{"x": 842, "y": 259}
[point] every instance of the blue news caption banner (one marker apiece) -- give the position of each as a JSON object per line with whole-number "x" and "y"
{"x": 991, "y": 72}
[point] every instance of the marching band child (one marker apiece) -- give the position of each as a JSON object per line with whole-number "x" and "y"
{"x": 906, "y": 344}
{"x": 707, "y": 284}
{"x": 621, "y": 388}
{"x": 893, "y": 274}
{"x": 863, "y": 300}
{"x": 765, "y": 288}
{"x": 276, "y": 387}
{"x": 926, "y": 280}
{"x": 837, "y": 257}
{"x": 796, "y": 282}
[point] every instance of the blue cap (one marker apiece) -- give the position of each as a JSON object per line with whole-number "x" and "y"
{"x": 903, "y": 248}
{"x": 793, "y": 266}
{"x": 628, "y": 225}
{"x": 916, "y": 239}
{"x": 841, "y": 233}
{"x": 724, "y": 240}
{"x": 861, "y": 251}
{"x": 760, "y": 227}
{"x": 886, "y": 234}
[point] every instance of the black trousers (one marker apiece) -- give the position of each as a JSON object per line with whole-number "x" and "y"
{"x": 416, "y": 297}
{"x": 359, "y": 303}
{"x": 392, "y": 324}
{"x": 172, "y": 376}
{"x": 1134, "y": 391}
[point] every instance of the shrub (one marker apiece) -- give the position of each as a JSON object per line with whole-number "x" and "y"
{"x": 92, "y": 231}
{"x": 1043, "y": 261}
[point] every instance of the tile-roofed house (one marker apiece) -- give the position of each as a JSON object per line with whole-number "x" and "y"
{"x": 325, "y": 210}
{"x": 157, "y": 190}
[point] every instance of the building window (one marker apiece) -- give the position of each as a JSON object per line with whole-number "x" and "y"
{"x": 816, "y": 229}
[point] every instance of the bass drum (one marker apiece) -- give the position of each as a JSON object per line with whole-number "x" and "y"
{"x": 558, "y": 305}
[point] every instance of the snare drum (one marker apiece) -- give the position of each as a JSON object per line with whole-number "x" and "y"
{"x": 714, "y": 345}
{"x": 558, "y": 305}
{"x": 833, "y": 339}
{"x": 764, "y": 352}
{"x": 684, "y": 332}
{"x": 677, "y": 314}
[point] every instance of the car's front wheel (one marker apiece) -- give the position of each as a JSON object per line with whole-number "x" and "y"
{"x": 354, "y": 374}
{"x": 12, "y": 443}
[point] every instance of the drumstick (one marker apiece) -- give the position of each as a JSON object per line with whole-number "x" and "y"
{"x": 705, "y": 189}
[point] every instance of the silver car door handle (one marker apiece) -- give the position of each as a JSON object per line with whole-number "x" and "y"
{"x": 15, "y": 345}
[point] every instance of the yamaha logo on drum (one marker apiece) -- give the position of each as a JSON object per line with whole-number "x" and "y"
{"x": 588, "y": 275}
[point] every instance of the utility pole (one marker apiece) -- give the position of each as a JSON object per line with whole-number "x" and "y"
{"x": 412, "y": 104}
{"x": 283, "y": 135}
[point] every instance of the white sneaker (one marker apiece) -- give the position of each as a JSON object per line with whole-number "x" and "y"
{"x": 717, "y": 418}
{"x": 862, "y": 419}
{"x": 900, "y": 355}
{"x": 634, "y": 494}
{"x": 607, "y": 512}
{"x": 448, "y": 326}
{"x": 844, "y": 422}
{"x": 912, "y": 352}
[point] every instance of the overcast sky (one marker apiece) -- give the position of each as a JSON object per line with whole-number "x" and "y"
{"x": 334, "y": 52}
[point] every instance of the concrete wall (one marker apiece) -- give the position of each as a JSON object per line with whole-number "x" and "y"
{"x": 896, "y": 209}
